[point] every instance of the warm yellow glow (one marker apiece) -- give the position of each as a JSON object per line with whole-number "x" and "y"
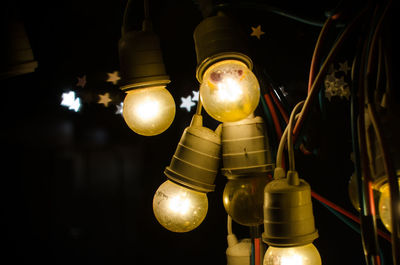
{"x": 179, "y": 209}
{"x": 179, "y": 204}
{"x": 149, "y": 111}
{"x": 385, "y": 208}
{"x": 299, "y": 255}
{"x": 229, "y": 91}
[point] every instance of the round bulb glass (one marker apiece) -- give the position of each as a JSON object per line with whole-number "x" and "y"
{"x": 179, "y": 209}
{"x": 243, "y": 199}
{"x": 298, "y": 255}
{"x": 385, "y": 208}
{"x": 148, "y": 111}
{"x": 229, "y": 91}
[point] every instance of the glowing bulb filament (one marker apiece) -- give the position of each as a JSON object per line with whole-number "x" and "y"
{"x": 291, "y": 260}
{"x": 148, "y": 109}
{"x": 229, "y": 90}
{"x": 179, "y": 204}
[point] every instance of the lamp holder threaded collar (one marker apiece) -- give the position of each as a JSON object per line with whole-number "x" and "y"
{"x": 219, "y": 38}
{"x": 141, "y": 61}
{"x": 288, "y": 214}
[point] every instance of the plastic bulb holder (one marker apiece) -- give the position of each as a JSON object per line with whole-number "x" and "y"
{"x": 148, "y": 108}
{"x": 180, "y": 204}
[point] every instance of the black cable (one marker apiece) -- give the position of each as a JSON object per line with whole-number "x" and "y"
{"x": 277, "y": 11}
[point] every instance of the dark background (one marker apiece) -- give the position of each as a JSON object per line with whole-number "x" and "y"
{"x": 77, "y": 188}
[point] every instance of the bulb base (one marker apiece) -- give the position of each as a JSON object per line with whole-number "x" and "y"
{"x": 288, "y": 214}
{"x": 141, "y": 62}
{"x": 219, "y": 38}
{"x": 196, "y": 160}
{"x": 245, "y": 148}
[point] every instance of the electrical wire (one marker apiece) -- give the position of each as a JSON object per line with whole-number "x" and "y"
{"x": 322, "y": 35}
{"x": 319, "y": 77}
{"x": 271, "y": 134}
{"x": 199, "y": 106}
{"x": 274, "y": 10}
{"x": 279, "y": 106}
{"x": 257, "y": 252}
{"x": 290, "y": 136}
{"x": 252, "y": 257}
{"x": 344, "y": 212}
{"x": 389, "y": 169}
{"x": 229, "y": 225}
{"x": 275, "y": 118}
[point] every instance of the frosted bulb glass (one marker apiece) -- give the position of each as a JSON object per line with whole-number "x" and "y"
{"x": 149, "y": 111}
{"x": 385, "y": 208}
{"x": 229, "y": 91}
{"x": 299, "y": 255}
{"x": 179, "y": 209}
{"x": 243, "y": 199}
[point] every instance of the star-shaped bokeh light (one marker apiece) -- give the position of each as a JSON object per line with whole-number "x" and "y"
{"x": 113, "y": 77}
{"x": 195, "y": 96}
{"x": 120, "y": 107}
{"x": 187, "y": 103}
{"x": 104, "y": 99}
{"x": 257, "y": 32}
{"x": 69, "y": 100}
{"x": 81, "y": 81}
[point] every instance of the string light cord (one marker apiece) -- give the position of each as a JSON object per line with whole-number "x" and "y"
{"x": 319, "y": 77}
{"x": 317, "y": 196}
{"x": 315, "y": 57}
{"x": 199, "y": 106}
{"x": 388, "y": 166}
{"x": 229, "y": 225}
{"x": 290, "y": 136}
{"x": 275, "y": 10}
{"x": 271, "y": 133}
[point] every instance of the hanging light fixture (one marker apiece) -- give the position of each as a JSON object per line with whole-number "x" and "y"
{"x": 246, "y": 162}
{"x": 289, "y": 228}
{"x": 180, "y": 204}
{"x": 229, "y": 89}
{"x": 380, "y": 184}
{"x": 148, "y": 108}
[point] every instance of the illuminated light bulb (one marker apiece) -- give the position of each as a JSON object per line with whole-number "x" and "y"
{"x": 149, "y": 111}
{"x": 297, "y": 255}
{"x": 179, "y": 209}
{"x": 385, "y": 208}
{"x": 180, "y": 204}
{"x": 229, "y": 91}
{"x": 243, "y": 199}
{"x": 289, "y": 227}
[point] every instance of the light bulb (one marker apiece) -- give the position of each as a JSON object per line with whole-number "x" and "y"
{"x": 385, "y": 208}
{"x": 179, "y": 209}
{"x": 229, "y": 91}
{"x": 149, "y": 111}
{"x": 243, "y": 199}
{"x": 297, "y": 255}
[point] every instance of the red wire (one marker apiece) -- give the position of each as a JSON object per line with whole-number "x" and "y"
{"x": 317, "y": 49}
{"x": 280, "y": 107}
{"x": 346, "y": 213}
{"x": 257, "y": 253}
{"x": 275, "y": 119}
